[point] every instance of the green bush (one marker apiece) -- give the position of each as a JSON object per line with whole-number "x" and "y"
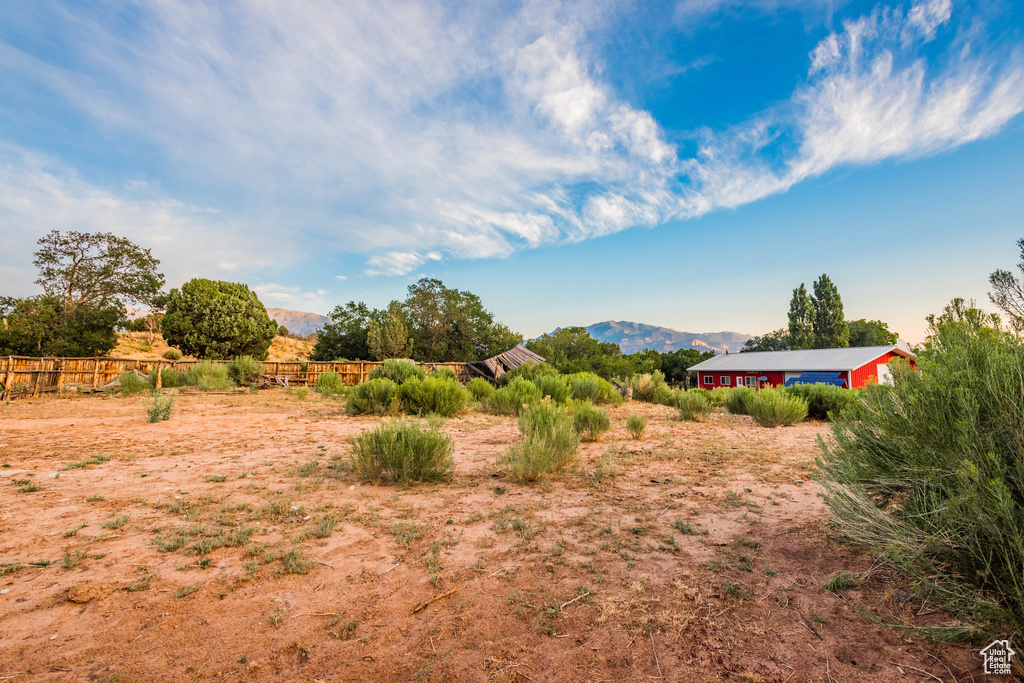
{"x": 824, "y": 401}
{"x": 404, "y": 452}
{"x": 172, "y": 354}
{"x": 586, "y": 386}
{"x": 302, "y": 393}
{"x": 376, "y": 397}
{"x": 131, "y": 384}
{"x": 549, "y": 443}
{"x": 214, "y": 319}
{"x": 207, "y": 376}
{"x": 651, "y": 388}
{"x": 509, "y": 400}
{"x": 160, "y": 409}
{"x": 693, "y": 405}
{"x": 528, "y": 370}
{"x": 445, "y": 373}
{"x": 776, "y": 408}
{"x": 635, "y": 425}
{"x": 719, "y": 395}
{"x": 398, "y": 371}
{"x": 169, "y": 378}
{"x": 480, "y": 389}
{"x": 590, "y": 422}
{"x": 554, "y": 386}
{"x": 243, "y": 370}
{"x": 433, "y": 396}
{"x": 740, "y": 401}
{"x": 929, "y": 472}
{"x": 328, "y": 383}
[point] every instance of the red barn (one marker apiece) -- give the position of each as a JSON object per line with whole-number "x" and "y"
{"x": 851, "y": 368}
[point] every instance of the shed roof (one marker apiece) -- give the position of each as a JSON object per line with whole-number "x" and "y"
{"x": 822, "y": 360}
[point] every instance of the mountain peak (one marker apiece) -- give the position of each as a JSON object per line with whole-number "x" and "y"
{"x": 632, "y": 337}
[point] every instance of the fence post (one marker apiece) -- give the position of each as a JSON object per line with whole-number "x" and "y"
{"x": 38, "y": 374}
{"x": 95, "y": 373}
{"x": 60, "y": 375}
{"x": 9, "y": 379}
{"x": 159, "y": 376}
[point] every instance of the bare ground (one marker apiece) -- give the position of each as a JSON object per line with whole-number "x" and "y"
{"x": 231, "y": 543}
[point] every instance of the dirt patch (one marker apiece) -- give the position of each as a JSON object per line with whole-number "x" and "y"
{"x": 232, "y": 543}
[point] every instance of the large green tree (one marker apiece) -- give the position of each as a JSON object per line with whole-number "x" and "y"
{"x": 47, "y": 326}
{"x": 870, "y": 333}
{"x": 216, "y": 319}
{"x": 388, "y": 335}
{"x": 772, "y": 341}
{"x": 675, "y": 364}
{"x": 830, "y": 328}
{"x": 1008, "y": 291}
{"x": 345, "y": 337}
{"x": 801, "y": 320}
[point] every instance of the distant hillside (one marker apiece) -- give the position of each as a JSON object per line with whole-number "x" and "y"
{"x": 632, "y": 337}
{"x": 298, "y": 322}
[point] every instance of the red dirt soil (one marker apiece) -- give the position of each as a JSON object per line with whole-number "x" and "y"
{"x": 692, "y": 554}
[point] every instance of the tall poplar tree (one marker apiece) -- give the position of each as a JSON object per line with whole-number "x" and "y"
{"x": 801, "y": 319}
{"x": 830, "y": 328}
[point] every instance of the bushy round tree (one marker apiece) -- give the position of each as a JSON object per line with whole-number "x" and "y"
{"x": 217, "y": 319}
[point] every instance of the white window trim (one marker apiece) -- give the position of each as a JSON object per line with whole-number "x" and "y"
{"x": 709, "y": 379}
{"x": 750, "y": 381}
{"x": 725, "y": 380}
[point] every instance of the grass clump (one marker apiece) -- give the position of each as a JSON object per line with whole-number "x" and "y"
{"x": 740, "y": 401}
{"x": 549, "y": 443}
{"x": 929, "y": 472}
{"x": 404, "y": 452}
{"x": 554, "y": 386}
{"x": 511, "y": 398}
{"x": 590, "y": 422}
{"x": 841, "y": 581}
{"x": 160, "y": 408}
{"x": 480, "y": 389}
{"x": 376, "y": 397}
{"x": 169, "y": 378}
{"x": 130, "y": 383}
{"x": 824, "y": 401}
{"x": 398, "y": 371}
{"x": 328, "y": 383}
{"x": 115, "y": 522}
{"x": 82, "y": 464}
{"x": 693, "y": 406}
{"x": 172, "y": 354}
{"x": 244, "y": 370}
{"x": 635, "y": 425}
{"x": 208, "y": 376}
{"x": 775, "y": 408}
{"x": 433, "y": 396}
{"x": 651, "y": 388}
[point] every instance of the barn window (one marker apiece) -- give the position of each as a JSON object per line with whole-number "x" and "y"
{"x": 726, "y": 380}
{"x": 709, "y": 379}
{"x": 750, "y": 381}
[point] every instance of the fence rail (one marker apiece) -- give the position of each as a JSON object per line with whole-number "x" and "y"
{"x": 31, "y": 376}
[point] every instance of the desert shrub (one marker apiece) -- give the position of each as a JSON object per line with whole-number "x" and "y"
{"x": 528, "y": 370}
{"x": 398, "y": 371}
{"x": 131, "y": 384}
{"x": 207, "y": 376}
{"x": 929, "y": 473}
{"x": 433, "y": 396}
{"x": 160, "y": 409}
{"x": 554, "y": 386}
{"x": 509, "y": 400}
{"x": 445, "y": 373}
{"x": 740, "y": 401}
{"x": 243, "y": 370}
{"x": 214, "y": 319}
{"x": 776, "y": 408}
{"x": 635, "y": 425}
{"x": 376, "y": 397}
{"x": 824, "y": 401}
{"x": 549, "y": 442}
{"x": 586, "y": 386}
{"x": 329, "y": 383}
{"x": 480, "y": 389}
{"x": 169, "y": 378}
{"x": 404, "y": 452}
{"x": 693, "y": 405}
{"x": 590, "y": 422}
{"x": 719, "y": 395}
{"x": 172, "y": 354}
{"x": 651, "y": 388}
{"x": 301, "y": 393}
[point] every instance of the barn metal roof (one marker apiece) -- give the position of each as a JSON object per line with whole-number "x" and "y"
{"x": 821, "y": 360}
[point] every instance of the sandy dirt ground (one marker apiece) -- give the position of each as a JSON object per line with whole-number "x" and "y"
{"x": 233, "y": 543}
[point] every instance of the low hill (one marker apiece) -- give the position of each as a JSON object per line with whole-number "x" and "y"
{"x": 144, "y": 346}
{"x": 632, "y": 337}
{"x": 299, "y": 322}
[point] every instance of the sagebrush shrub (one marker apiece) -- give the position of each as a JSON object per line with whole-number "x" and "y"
{"x": 549, "y": 443}
{"x": 375, "y": 397}
{"x": 590, "y": 422}
{"x": 433, "y": 396}
{"x": 528, "y": 370}
{"x": 207, "y": 376}
{"x": 329, "y": 383}
{"x": 586, "y": 386}
{"x": 244, "y": 370}
{"x": 554, "y": 386}
{"x": 651, "y": 388}
{"x": 398, "y": 371}
{"x": 169, "y": 378}
{"x": 445, "y": 373}
{"x": 480, "y": 389}
{"x": 740, "y": 401}
{"x": 130, "y": 384}
{"x": 719, "y": 395}
{"x": 160, "y": 409}
{"x": 775, "y": 408}
{"x": 404, "y": 452}
{"x": 635, "y": 425}
{"x": 693, "y": 406}
{"x": 510, "y": 399}
{"x": 172, "y": 354}
{"x": 824, "y": 401}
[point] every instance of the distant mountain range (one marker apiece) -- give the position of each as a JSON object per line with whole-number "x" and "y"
{"x": 298, "y": 322}
{"x": 632, "y": 337}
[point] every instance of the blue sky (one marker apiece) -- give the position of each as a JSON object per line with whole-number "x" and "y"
{"x": 682, "y": 164}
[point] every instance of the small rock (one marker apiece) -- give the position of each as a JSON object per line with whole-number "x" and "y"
{"x": 4, "y": 590}
{"x": 306, "y": 518}
{"x": 54, "y": 475}
{"x": 799, "y": 481}
{"x": 352, "y": 488}
{"x": 293, "y": 508}
{"x": 84, "y": 593}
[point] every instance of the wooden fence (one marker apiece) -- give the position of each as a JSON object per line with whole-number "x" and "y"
{"x": 24, "y": 376}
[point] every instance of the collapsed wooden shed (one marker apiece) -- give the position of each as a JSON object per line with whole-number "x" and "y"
{"x": 494, "y": 367}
